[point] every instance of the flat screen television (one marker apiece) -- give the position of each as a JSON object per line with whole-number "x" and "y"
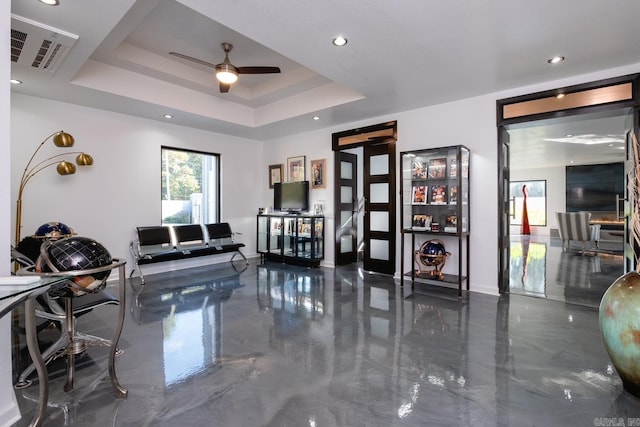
{"x": 291, "y": 196}
{"x": 593, "y": 188}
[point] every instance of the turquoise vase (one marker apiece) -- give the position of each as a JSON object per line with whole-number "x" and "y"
{"x": 619, "y": 318}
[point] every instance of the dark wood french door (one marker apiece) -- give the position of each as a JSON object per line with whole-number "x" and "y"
{"x": 346, "y": 190}
{"x": 379, "y": 215}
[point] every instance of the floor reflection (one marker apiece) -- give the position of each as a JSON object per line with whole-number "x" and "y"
{"x": 528, "y": 267}
{"x": 279, "y": 345}
{"x": 190, "y": 317}
{"x": 539, "y": 267}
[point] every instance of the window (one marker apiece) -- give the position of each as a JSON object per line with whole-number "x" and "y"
{"x": 190, "y": 187}
{"x": 536, "y": 202}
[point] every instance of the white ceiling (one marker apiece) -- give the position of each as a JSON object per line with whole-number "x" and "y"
{"x": 401, "y": 55}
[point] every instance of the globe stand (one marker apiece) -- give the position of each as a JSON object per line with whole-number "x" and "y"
{"x": 432, "y": 254}
{"x": 76, "y": 346}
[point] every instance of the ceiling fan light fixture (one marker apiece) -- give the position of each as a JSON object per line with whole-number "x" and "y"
{"x": 226, "y": 73}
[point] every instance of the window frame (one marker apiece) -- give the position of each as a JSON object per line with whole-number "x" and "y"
{"x": 515, "y": 201}
{"x": 217, "y": 158}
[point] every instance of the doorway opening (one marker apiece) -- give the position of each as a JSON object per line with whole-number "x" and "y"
{"x": 541, "y": 148}
{"x": 365, "y": 197}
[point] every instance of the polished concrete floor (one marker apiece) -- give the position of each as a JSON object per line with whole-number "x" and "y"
{"x": 283, "y": 346}
{"x": 541, "y": 267}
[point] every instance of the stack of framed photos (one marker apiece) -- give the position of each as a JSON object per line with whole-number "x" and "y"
{"x": 435, "y": 189}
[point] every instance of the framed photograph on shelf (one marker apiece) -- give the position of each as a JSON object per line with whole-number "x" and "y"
{"x": 451, "y": 224}
{"x": 438, "y": 168}
{"x": 465, "y": 164}
{"x": 419, "y": 195}
{"x": 275, "y": 174}
{"x": 418, "y": 169}
{"x": 318, "y": 173}
{"x": 295, "y": 168}
{"x": 453, "y": 195}
{"x": 453, "y": 168}
{"x": 438, "y": 195}
{"x": 421, "y": 222}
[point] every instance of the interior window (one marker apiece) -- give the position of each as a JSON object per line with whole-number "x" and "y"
{"x": 536, "y": 204}
{"x": 190, "y": 187}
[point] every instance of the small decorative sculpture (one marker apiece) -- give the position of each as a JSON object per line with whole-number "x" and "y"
{"x": 432, "y": 253}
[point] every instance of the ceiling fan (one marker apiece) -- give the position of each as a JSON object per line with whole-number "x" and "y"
{"x": 226, "y": 72}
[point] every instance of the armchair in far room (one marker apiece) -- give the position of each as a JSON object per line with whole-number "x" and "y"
{"x": 575, "y": 226}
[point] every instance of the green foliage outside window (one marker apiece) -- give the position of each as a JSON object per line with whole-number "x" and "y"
{"x": 181, "y": 174}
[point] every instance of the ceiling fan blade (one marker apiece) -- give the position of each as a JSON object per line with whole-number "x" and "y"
{"x": 224, "y": 87}
{"x": 192, "y": 59}
{"x": 258, "y": 70}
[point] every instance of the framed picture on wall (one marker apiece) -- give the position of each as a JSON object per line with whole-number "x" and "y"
{"x": 275, "y": 174}
{"x": 318, "y": 173}
{"x": 295, "y": 168}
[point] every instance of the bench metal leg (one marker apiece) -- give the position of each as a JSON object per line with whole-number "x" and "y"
{"x": 137, "y": 267}
{"x": 242, "y": 255}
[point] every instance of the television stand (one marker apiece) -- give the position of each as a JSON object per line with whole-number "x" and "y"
{"x": 291, "y": 238}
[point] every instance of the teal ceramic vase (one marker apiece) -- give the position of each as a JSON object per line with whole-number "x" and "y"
{"x": 619, "y": 318}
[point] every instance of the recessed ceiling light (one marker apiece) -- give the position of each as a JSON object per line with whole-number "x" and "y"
{"x": 560, "y": 95}
{"x": 50, "y": 2}
{"x": 339, "y": 41}
{"x": 168, "y": 116}
{"x": 555, "y": 59}
{"x": 16, "y": 81}
{"x": 316, "y": 117}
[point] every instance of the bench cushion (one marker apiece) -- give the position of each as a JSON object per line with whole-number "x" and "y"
{"x": 189, "y": 237}
{"x": 220, "y": 234}
{"x": 154, "y": 240}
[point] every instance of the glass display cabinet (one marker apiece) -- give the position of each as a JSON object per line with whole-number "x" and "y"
{"x": 291, "y": 238}
{"x": 435, "y": 214}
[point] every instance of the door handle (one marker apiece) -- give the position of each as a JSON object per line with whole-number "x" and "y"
{"x": 618, "y": 200}
{"x": 512, "y": 207}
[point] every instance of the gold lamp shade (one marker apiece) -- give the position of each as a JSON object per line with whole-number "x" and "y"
{"x": 84, "y": 159}
{"x": 66, "y": 168}
{"x": 63, "y": 139}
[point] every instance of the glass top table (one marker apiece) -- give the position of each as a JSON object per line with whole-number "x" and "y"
{"x": 13, "y": 293}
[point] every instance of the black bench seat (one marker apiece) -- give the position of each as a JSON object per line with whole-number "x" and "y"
{"x": 175, "y": 242}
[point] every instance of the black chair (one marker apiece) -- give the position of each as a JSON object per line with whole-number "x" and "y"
{"x": 53, "y": 307}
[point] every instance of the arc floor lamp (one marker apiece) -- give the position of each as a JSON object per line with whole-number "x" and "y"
{"x": 61, "y": 139}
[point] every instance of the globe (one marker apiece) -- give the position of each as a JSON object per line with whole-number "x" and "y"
{"x": 72, "y": 254}
{"x": 432, "y": 253}
{"x": 53, "y": 230}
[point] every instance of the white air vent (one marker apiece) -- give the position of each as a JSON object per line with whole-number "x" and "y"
{"x": 37, "y": 45}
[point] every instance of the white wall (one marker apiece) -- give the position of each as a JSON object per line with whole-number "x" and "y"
{"x": 122, "y": 189}
{"x": 429, "y": 127}
{"x": 9, "y": 411}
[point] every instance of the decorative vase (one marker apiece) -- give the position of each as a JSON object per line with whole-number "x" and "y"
{"x": 619, "y": 318}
